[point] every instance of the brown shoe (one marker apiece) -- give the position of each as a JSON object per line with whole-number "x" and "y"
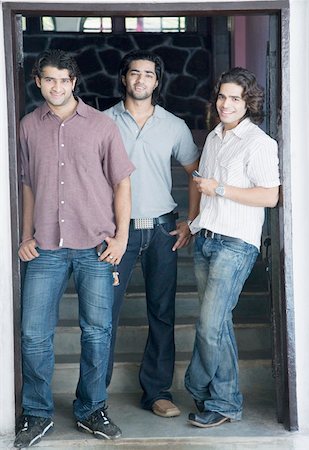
{"x": 165, "y": 408}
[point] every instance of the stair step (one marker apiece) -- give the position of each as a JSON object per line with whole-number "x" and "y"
{"x": 254, "y": 374}
{"x": 251, "y": 307}
{"x": 257, "y": 281}
{"x": 131, "y": 338}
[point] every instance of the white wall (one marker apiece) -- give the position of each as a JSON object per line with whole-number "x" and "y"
{"x": 299, "y": 113}
{"x": 299, "y": 50}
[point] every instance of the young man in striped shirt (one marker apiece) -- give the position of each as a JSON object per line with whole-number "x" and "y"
{"x": 239, "y": 178}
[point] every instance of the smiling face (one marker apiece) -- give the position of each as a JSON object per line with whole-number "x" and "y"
{"x": 230, "y": 105}
{"x": 140, "y": 80}
{"x": 56, "y": 86}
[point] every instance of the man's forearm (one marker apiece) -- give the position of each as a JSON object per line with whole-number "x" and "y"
{"x": 122, "y": 207}
{"x": 194, "y": 200}
{"x": 256, "y": 196}
{"x": 28, "y": 208}
{"x": 194, "y": 195}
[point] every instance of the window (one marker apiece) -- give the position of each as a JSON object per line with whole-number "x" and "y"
{"x": 24, "y": 23}
{"x": 48, "y": 24}
{"x": 96, "y": 24}
{"x": 155, "y": 24}
{"x": 105, "y": 24}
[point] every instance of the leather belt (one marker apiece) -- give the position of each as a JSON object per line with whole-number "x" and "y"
{"x": 210, "y": 234}
{"x": 148, "y": 223}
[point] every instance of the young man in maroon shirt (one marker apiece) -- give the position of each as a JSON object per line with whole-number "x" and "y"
{"x": 76, "y": 198}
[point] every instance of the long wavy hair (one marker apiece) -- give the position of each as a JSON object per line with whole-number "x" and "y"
{"x": 142, "y": 55}
{"x": 253, "y": 94}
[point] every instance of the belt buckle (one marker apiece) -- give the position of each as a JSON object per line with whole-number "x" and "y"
{"x": 143, "y": 223}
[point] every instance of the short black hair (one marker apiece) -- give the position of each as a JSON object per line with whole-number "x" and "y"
{"x": 253, "y": 94}
{"x": 142, "y": 55}
{"x": 59, "y": 59}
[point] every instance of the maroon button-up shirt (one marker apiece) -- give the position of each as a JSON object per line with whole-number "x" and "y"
{"x": 71, "y": 167}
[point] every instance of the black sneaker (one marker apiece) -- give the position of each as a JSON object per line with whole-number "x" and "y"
{"x": 207, "y": 419}
{"x": 100, "y": 425}
{"x": 31, "y": 430}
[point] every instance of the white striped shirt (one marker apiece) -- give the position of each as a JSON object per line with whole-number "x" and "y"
{"x": 244, "y": 157}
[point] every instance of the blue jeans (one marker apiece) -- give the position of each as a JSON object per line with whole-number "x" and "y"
{"x": 45, "y": 281}
{"x": 221, "y": 268}
{"x": 159, "y": 265}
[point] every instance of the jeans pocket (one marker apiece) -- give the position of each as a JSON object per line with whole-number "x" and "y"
{"x": 101, "y": 248}
{"x": 239, "y": 247}
{"x": 166, "y": 228}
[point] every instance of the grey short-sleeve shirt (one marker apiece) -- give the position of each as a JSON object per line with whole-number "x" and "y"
{"x": 150, "y": 149}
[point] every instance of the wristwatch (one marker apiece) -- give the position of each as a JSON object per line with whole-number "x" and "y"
{"x": 220, "y": 190}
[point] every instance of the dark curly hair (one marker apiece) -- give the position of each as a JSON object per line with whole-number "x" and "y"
{"x": 142, "y": 55}
{"x": 253, "y": 94}
{"x": 59, "y": 59}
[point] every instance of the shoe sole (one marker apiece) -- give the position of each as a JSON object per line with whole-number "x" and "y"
{"x": 209, "y": 425}
{"x": 167, "y": 414}
{"x": 98, "y": 434}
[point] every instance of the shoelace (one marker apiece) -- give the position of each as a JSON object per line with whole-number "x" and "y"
{"x": 25, "y": 424}
{"x": 105, "y": 418}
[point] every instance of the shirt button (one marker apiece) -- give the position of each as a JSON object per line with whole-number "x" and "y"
{"x": 62, "y": 164}
{"x": 62, "y": 220}
{"x": 62, "y": 145}
{"x": 62, "y": 124}
{"x": 62, "y": 202}
{"x": 61, "y": 182}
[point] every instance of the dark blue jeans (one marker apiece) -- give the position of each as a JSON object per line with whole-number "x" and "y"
{"x": 45, "y": 281}
{"x": 159, "y": 265}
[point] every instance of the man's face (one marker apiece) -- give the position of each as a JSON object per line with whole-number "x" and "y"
{"x": 230, "y": 105}
{"x": 140, "y": 80}
{"x": 56, "y": 86}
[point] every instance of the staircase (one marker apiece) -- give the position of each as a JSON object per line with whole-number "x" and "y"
{"x": 251, "y": 318}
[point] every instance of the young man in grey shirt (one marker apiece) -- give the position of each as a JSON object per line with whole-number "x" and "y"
{"x": 152, "y": 136}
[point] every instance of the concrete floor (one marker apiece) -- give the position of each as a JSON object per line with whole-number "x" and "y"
{"x": 142, "y": 430}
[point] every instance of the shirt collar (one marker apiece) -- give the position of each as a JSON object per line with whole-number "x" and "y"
{"x": 239, "y": 131}
{"x": 81, "y": 109}
{"x": 44, "y": 110}
{"x": 119, "y": 109}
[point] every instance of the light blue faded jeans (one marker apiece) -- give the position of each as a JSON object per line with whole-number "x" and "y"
{"x": 221, "y": 269}
{"x": 45, "y": 281}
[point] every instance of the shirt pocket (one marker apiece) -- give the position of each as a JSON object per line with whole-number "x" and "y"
{"x": 233, "y": 172}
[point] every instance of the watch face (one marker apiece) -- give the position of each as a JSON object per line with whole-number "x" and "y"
{"x": 220, "y": 190}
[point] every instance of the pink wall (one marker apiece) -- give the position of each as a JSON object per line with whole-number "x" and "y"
{"x": 249, "y": 44}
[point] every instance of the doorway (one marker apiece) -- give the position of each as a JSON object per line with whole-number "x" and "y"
{"x": 203, "y": 16}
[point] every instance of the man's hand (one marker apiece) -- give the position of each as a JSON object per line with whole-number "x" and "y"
{"x": 116, "y": 247}
{"x": 183, "y": 235}
{"x": 206, "y": 186}
{"x": 27, "y": 250}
